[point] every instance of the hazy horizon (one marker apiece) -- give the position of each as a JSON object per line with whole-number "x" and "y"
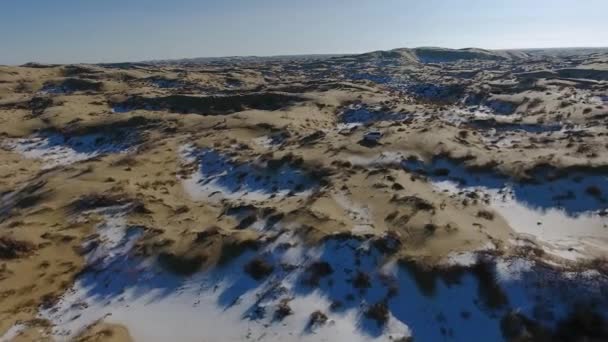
{"x": 71, "y": 31}
{"x": 312, "y": 54}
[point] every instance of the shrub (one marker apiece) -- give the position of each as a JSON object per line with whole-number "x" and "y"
{"x": 317, "y": 318}
{"x": 182, "y": 265}
{"x": 283, "y": 310}
{"x": 594, "y": 191}
{"x": 259, "y": 268}
{"x": 362, "y": 280}
{"x": 378, "y": 312}
{"x": 316, "y": 271}
{"x": 484, "y": 214}
{"x": 12, "y": 249}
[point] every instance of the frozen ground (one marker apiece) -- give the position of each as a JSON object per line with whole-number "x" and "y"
{"x": 341, "y": 241}
{"x": 217, "y": 176}
{"x": 363, "y": 115}
{"x": 566, "y": 212}
{"x": 345, "y": 278}
{"x": 57, "y": 149}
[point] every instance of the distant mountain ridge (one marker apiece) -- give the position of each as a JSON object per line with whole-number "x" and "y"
{"x": 402, "y": 55}
{"x": 413, "y": 55}
{"x": 442, "y": 55}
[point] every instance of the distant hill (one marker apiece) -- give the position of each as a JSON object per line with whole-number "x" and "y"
{"x": 439, "y": 55}
{"x": 210, "y": 60}
{"x": 401, "y": 55}
{"x": 564, "y": 52}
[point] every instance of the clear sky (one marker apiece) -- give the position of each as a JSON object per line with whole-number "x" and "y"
{"x": 68, "y": 31}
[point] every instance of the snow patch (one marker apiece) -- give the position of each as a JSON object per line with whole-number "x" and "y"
{"x": 561, "y": 213}
{"x": 56, "y": 149}
{"x": 219, "y": 177}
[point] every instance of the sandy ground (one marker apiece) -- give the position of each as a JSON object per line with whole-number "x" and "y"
{"x": 482, "y": 156}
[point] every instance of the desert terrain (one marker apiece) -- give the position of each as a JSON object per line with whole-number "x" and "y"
{"x": 421, "y": 194}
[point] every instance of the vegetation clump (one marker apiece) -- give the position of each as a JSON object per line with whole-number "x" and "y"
{"x": 259, "y": 268}
{"x": 378, "y": 312}
{"x": 317, "y": 319}
{"x": 13, "y": 249}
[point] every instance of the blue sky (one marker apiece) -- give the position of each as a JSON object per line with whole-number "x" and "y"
{"x": 68, "y": 31}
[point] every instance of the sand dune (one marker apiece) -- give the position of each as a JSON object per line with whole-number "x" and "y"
{"x": 411, "y": 194}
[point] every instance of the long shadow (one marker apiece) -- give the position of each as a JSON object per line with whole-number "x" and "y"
{"x": 376, "y": 78}
{"x": 365, "y": 116}
{"x": 574, "y": 191}
{"x": 71, "y": 85}
{"x": 115, "y": 141}
{"x": 437, "y": 92}
{"x": 497, "y": 106}
{"x": 354, "y": 282}
{"x": 264, "y": 178}
{"x": 114, "y": 270}
{"x": 508, "y": 127}
{"x": 209, "y": 105}
{"x": 108, "y": 142}
{"x": 460, "y": 304}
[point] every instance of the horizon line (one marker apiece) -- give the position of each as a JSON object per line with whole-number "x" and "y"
{"x": 301, "y": 55}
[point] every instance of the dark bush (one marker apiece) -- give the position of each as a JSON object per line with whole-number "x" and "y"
{"x": 13, "y": 249}
{"x": 362, "y": 280}
{"x": 259, "y": 268}
{"x": 484, "y": 214}
{"x": 378, "y": 312}
{"x": 182, "y": 265}
{"x": 283, "y": 310}
{"x": 317, "y": 318}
